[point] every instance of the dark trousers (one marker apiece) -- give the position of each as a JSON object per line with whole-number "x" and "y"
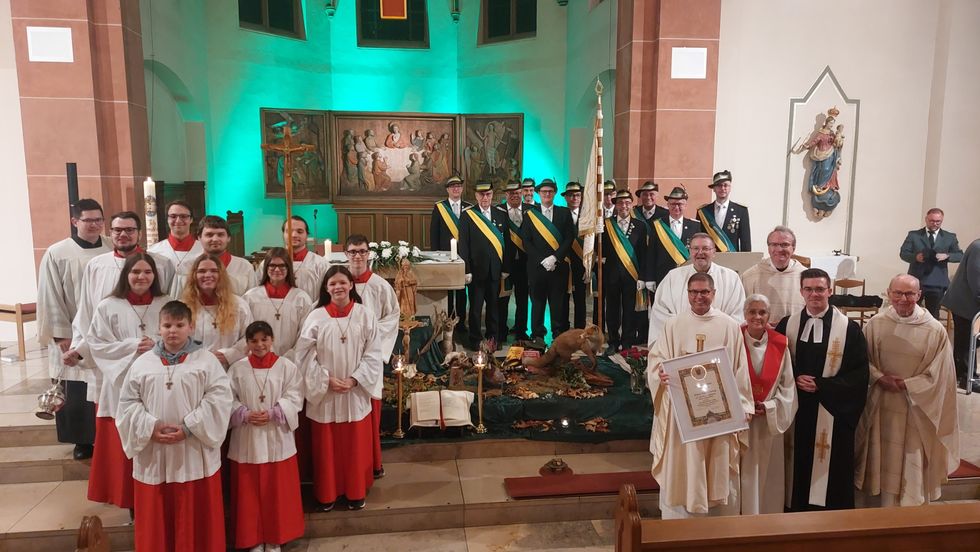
{"x": 932, "y": 298}
{"x": 620, "y": 298}
{"x": 456, "y": 305}
{"x": 961, "y": 346}
{"x": 75, "y": 422}
{"x": 483, "y": 293}
{"x": 519, "y": 280}
{"x": 547, "y": 288}
{"x": 577, "y": 304}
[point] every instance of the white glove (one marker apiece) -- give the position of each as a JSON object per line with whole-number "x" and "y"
{"x": 469, "y": 279}
{"x": 504, "y": 275}
{"x": 942, "y": 256}
{"x": 640, "y": 284}
{"x": 652, "y": 286}
{"x": 549, "y": 263}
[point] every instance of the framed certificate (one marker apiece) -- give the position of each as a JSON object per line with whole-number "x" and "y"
{"x": 705, "y": 395}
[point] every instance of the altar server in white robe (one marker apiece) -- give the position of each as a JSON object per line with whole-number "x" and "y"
{"x": 181, "y": 246}
{"x": 279, "y": 302}
{"x": 376, "y": 294}
{"x": 777, "y": 276}
{"x": 214, "y": 235}
{"x": 124, "y": 327}
{"x": 173, "y": 415}
{"x": 339, "y": 353}
{"x": 699, "y": 478}
{"x": 268, "y": 391}
{"x": 59, "y": 290}
{"x": 308, "y": 266}
{"x": 671, "y": 296}
{"x": 907, "y": 441}
{"x": 220, "y": 316}
{"x": 762, "y": 466}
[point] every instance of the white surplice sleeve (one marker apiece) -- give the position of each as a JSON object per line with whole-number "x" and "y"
{"x": 209, "y": 421}
{"x": 315, "y": 376}
{"x": 54, "y": 312}
{"x": 133, "y": 420}
{"x": 370, "y": 368}
{"x": 111, "y": 352}
{"x": 291, "y": 401}
{"x": 782, "y": 404}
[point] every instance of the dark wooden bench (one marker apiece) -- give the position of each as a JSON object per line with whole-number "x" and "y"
{"x": 934, "y": 527}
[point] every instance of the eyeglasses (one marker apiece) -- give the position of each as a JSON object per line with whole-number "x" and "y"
{"x": 276, "y": 266}
{"x": 99, "y": 220}
{"x": 701, "y": 292}
{"x": 117, "y": 231}
{"x": 358, "y": 252}
{"x": 701, "y": 249}
{"x": 781, "y": 245}
{"x": 906, "y": 294}
{"x": 809, "y": 290}
{"x": 178, "y": 217}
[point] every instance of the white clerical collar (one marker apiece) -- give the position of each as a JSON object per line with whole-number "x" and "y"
{"x": 820, "y": 314}
{"x": 813, "y": 328}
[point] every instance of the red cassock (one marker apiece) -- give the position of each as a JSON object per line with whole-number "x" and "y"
{"x": 376, "y": 433}
{"x": 267, "y": 503}
{"x": 172, "y": 517}
{"x": 342, "y": 459}
{"x": 111, "y": 477}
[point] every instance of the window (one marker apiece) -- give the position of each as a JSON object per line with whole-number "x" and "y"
{"x": 281, "y": 17}
{"x": 502, "y": 20}
{"x": 411, "y": 32}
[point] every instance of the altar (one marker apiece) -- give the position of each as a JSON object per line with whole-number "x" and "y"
{"x": 437, "y": 275}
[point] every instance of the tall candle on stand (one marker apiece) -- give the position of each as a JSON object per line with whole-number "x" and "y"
{"x": 150, "y": 211}
{"x": 453, "y": 253}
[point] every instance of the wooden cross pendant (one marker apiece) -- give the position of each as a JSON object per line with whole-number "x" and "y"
{"x": 343, "y": 339}
{"x": 142, "y": 326}
{"x": 170, "y": 384}
{"x": 214, "y": 324}
{"x": 261, "y": 398}
{"x": 277, "y": 316}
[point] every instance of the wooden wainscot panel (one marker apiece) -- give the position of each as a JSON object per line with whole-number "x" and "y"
{"x": 357, "y": 223}
{"x": 398, "y": 226}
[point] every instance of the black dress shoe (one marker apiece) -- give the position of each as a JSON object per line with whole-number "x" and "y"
{"x": 379, "y": 473}
{"x": 356, "y": 504}
{"x": 82, "y": 452}
{"x": 324, "y": 506}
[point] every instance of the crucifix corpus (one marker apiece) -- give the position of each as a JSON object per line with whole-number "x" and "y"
{"x": 288, "y": 149}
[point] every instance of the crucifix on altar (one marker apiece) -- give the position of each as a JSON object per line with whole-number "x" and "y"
{"x": 288, "y": 149}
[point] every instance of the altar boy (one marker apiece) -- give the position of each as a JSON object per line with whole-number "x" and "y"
{"x": 172, "y": 418}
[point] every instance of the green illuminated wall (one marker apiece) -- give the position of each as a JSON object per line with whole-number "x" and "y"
{"x": 229, "y": 73}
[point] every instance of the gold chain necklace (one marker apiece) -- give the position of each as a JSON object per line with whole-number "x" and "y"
{"x": 264, "y": 382}
{"x": 343, "y": 334}
{"x": 140, "y": 316}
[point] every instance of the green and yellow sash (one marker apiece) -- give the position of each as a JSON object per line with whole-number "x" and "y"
{"x": 707, "y": 218}
{"x": 449, "y": 217}
{"x": 493, "y": 235}
{"x": 674, "y": 246}
{"x": 623, "y": 247}
{"x": 546, "y": 228}
{"x": 577, "y": 245}
{"x": 515, "y": 234}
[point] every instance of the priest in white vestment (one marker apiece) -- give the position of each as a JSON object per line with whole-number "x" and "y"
{"x": 376, "y": 294}
{"x": 215, "y": 236}
{"x": 59, "y": 289}
{"x": 181, "y": 247}
{"x": 265, "y": 491}
{"x": 339, "y": 353}
{"x": 777, "y": 276}
{"x": 907, "y": 441}
{"x": 698, "y": 478}
{"x": 671, "y": 296}
{"x": 173, "y": 416}
{"x": 279, "y": 302}
{"x": 220, "y": 316}
{"x": 124, "y": 326}
{"x": 762, "y": 466}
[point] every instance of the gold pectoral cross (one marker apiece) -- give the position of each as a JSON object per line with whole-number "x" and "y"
{"x": 835, "y": 352}
{"x": 700, "y": 338}
{"x": 822, "y": 446}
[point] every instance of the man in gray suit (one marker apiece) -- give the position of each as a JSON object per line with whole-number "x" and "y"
{"x": 928, "y": 251}
{"x": 963, "y": 300}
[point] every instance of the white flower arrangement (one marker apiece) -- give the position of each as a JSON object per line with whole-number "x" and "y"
{"x": 385, "y": 255}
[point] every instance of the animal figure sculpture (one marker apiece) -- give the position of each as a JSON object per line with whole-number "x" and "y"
{"x": 588, "y": 340}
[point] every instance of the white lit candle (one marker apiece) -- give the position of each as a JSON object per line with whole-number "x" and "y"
{"x": 327, "y": 249}
{"x": 150, "y": 211}
{"x": 453, "y": 255}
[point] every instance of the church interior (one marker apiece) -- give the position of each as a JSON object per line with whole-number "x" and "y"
{"x": 116, "y": 92}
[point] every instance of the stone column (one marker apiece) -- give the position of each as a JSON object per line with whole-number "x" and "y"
{"x": 91, "y": 110}
{"x": 664, "y": 127}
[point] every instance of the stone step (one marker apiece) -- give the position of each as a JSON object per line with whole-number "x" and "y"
{"x": 26, "y": 435}
{"x": 33, "y": 464}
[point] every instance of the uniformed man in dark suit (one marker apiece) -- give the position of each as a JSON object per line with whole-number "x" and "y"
{"x": 573, "y": 199}
{"x": 929, "y": 250}
{"x": 527, "y": 192}
{"x": 622, "y": 273}
{"x": 669, "y": 238}
{"x": 487, "y": 250}
{"x": 548, "y": 232}
{"x": 444, "y": 225}
{"x": 608, "y": 209}
{"x": 648, "y": 210}
{"x": 515, "y": 209}
{"x": 727, "y": 220}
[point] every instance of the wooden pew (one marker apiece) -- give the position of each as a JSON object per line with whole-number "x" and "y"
{"x": 935, "y": 527}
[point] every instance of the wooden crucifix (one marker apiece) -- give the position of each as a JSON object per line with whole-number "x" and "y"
{"x": 288, "y": 149}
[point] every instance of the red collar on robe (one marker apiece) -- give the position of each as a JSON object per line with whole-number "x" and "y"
{"x": 180, "y": 360}
{"x": 115, "y": 252}
{"x": 208, "y": 300}
{"x": 771, "y": 363}
{"x": 300, "y": 254}
{"x": 225, "y": 258}
{"x": 182, "y": 244}
{"x": 139, "y": 300}
{"x": 264, "y": 362}
{"x": 339, "y": 312}
{"x": 277, "y": 292}
{"x": 363, "y": 278}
